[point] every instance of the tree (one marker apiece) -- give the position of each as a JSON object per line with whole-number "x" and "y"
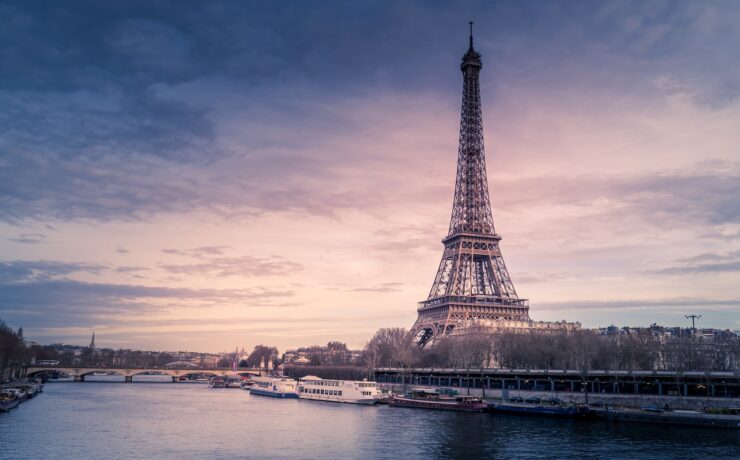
{"x": 391, "y": 347}
{"x": 13, "y": 352}
{"x": 262, "y": 353}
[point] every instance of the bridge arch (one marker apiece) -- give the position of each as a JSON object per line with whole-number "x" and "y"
{"x": 167, "y": 372}
{"x": 79, "y": 373}
{"x": 106, "y": 371}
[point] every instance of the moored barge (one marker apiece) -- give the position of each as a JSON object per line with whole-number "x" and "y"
{"x": 668, "y": 417}
{"x": 431, "y": 399}
{"x": 552, "y": 410}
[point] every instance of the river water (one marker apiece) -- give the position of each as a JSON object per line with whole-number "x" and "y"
{"x": 101, "y": 420}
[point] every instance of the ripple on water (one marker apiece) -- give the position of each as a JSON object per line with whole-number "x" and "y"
{"x": 184, "y": 421}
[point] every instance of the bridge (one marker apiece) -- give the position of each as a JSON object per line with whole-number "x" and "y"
{"x": 79, "y": 373}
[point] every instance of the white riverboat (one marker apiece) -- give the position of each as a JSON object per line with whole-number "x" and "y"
{"x": 277, "y": 387}
{"x": 344, "y": 391}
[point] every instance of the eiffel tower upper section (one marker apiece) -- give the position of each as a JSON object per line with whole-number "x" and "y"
{"x": 472, "y": 282}
{"x": 471, "y": 207}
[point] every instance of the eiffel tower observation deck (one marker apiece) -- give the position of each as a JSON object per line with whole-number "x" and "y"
{"x": 472, "y": 285}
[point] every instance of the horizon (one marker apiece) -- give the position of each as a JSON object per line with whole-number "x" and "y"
{"x": 194, "y": 178}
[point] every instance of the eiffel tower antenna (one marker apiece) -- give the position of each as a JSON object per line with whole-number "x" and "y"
{"x": 471, "y": 34}
{"x": 472, "y": 285}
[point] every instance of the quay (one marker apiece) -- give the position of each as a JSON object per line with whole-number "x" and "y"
{"x": 694, "y": 390}
{"x": 660, "y": 383}
{"x": 79, "y": 373}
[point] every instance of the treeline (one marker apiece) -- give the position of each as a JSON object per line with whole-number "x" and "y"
{"x": 261, "y": 354}
{"x": 328, "y": 372}
{"x": 13, "y": 351}
{"x": 580, "y": 350}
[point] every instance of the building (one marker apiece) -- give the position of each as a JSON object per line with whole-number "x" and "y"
{"x": 472, "y": 286}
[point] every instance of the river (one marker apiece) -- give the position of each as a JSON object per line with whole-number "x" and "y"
{"x": 104, "y": 420}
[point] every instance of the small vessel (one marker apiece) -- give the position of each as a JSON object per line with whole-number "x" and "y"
{"x": 8, "y": 400}
{"x": 223, "y": 382}
{"x": 428, "y": 398}
{"x": 277, "y": 387}
{"x": 344, "y": 391}
{"x": 555, "y": 409}
{"x": 31, "y": 390}
{"x": 15, "y": 393}
{"x": 667, "y": 417}
{"x": 246, "y": 384}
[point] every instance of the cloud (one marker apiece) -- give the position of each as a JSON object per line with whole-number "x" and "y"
{"x": 25, "y": 271}
{"x": 28, "y": 238}
{"x": 40, "y": 303}
{"x": 235, "y": 110}
{"x": 197, "y": 252}
{"x": 236, "y": 266}
{"x": 709, "y": 262}
{"x": 129, "y": 269}
{"x": 527, "y": 278}
{"x": 640, "y": 304}
{"x": 380, "y": 289}
{"x": 608, "y": 126}
{"x": 661, "y": 198}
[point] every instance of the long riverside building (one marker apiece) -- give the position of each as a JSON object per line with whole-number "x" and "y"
{"x": 661, "y": 383}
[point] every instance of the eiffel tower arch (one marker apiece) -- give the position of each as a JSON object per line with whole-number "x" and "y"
{"x": 472, "y": 285}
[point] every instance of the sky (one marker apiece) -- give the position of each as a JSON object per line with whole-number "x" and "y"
{"x": 205, "y": 175}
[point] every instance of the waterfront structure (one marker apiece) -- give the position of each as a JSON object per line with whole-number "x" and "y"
{"x": 276, "y": 387}
{"x": 79, "y": 373}
{"x": 570, "y": 381}
{"x": 343, "y": 391}
{"x": 472, "y": 285}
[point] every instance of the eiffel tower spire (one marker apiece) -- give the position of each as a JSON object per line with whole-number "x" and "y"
{"x": 472, "y": 284}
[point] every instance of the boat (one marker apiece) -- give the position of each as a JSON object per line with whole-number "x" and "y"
{"x": 223, "y": 382}
{"x": 667, "y": 417}
{"x": 427, "y": 398}
{"x": 342, "y": 391}
{"x": 9, "y": 399}
{"x": 558, "y": 409}
{"x": 6, "y": 404}
{"x": 246, "y": 384}
{"x": 31, "y": 390}
{"x": 277, "y": 387}
{"x": 14, "y": 393}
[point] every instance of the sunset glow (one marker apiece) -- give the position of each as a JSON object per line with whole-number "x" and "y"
{"x": 288, "y": 181}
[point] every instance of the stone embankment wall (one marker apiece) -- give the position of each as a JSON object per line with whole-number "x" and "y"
{"x": 674, "y": 402}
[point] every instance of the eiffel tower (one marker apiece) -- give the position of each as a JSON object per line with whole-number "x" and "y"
{"x": 472, "y": 285}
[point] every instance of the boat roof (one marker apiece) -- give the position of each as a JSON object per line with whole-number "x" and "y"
{"x": 269, "y": 379}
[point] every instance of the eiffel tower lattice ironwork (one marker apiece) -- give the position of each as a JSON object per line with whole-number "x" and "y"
{"x": 472, "y": 284}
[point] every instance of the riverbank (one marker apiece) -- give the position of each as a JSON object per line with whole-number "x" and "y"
{"x": 14, "y": 393}
{"x": 675, "y": 402}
